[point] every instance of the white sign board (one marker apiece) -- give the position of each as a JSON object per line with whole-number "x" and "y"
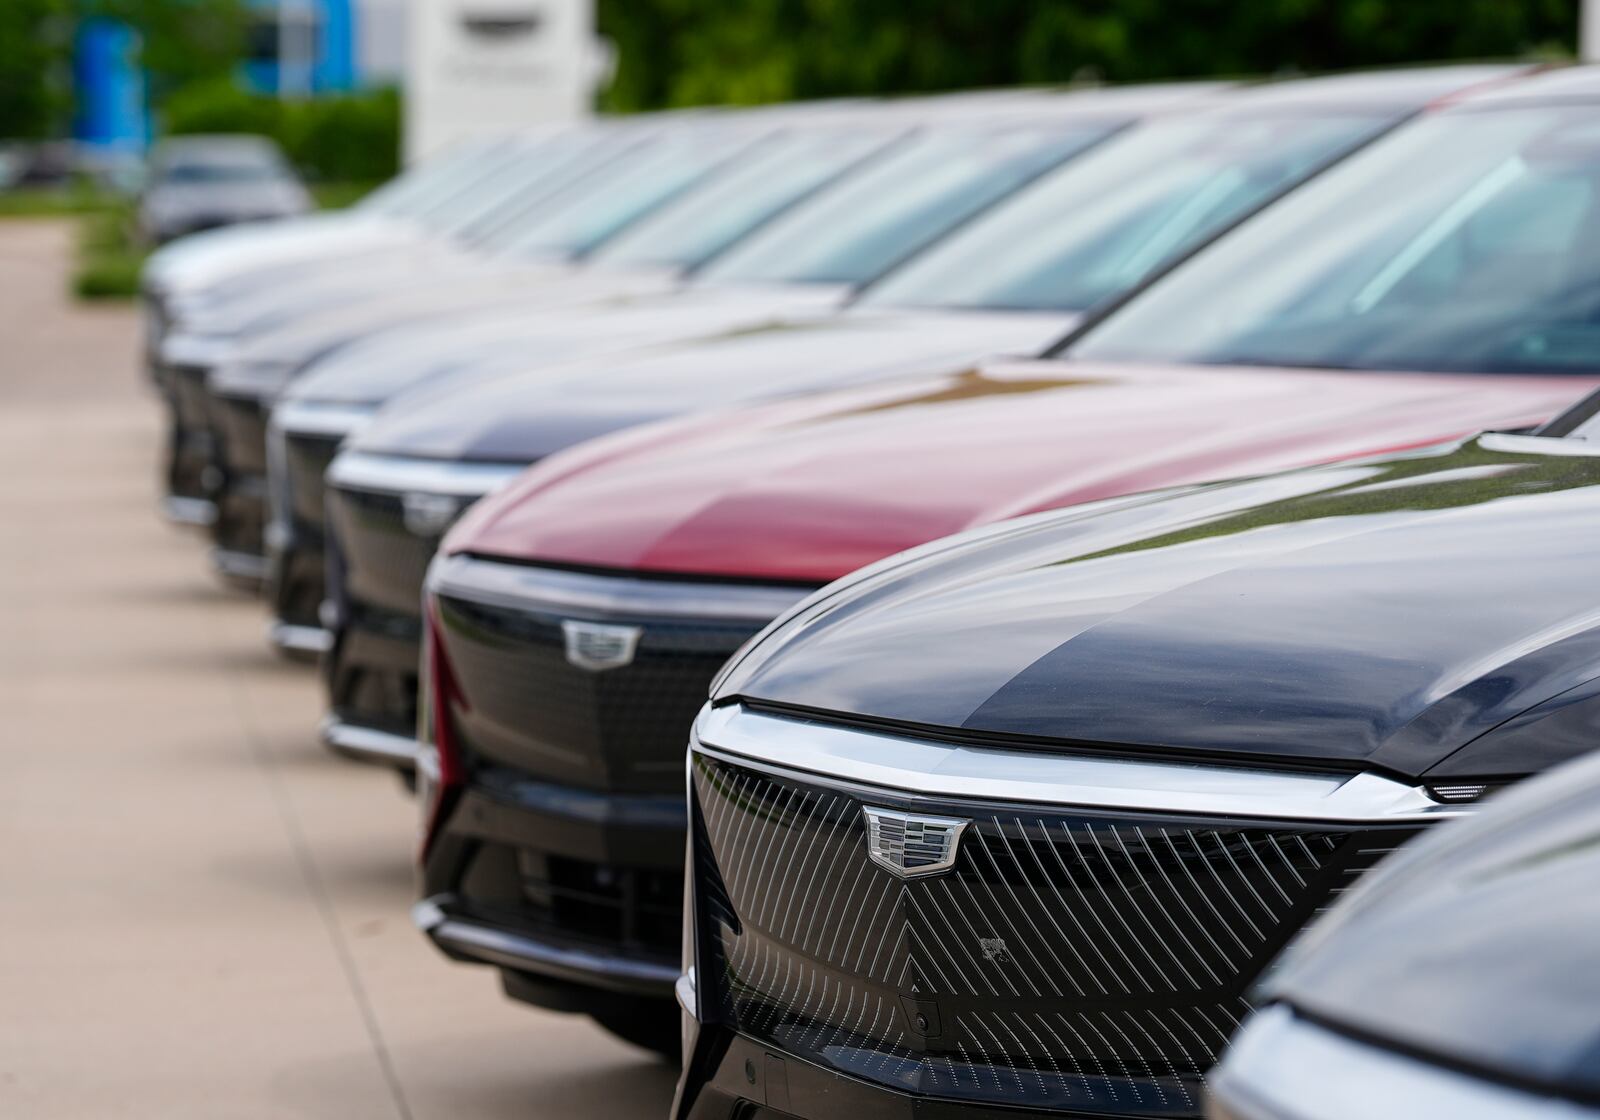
{"x": 481, "y": 67}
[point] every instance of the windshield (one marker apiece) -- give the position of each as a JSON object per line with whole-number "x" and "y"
{"x": 1096, "y": 227}
{"x": 867, "y": 224}
{"x": 621, "y": 191}
{"x": 419, "y": 187}
{"x": 1468, "y": 242}
{"x": 775, "y": 174}
{"x": 241, "y": 171}
{"x": 510, "y": 191}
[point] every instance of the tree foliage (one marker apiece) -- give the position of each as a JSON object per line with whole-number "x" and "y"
{"x": 682, "y": 52}
{"x": 183, "y": 41}
{"x": 34, "y": 36}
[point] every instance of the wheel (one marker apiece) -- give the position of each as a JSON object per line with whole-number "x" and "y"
{"x": 652, "y": 1025}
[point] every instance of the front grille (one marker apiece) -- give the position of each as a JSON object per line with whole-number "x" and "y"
{"x": 241, "y": 426}
{"x": 637, "y": 912}
{"x": 306, "y": 459}
{"x": 529, "y": 707}
{"x": 383, "y": 561}
{"x": 1086, "y": 960}
{"x": 188, "y": 384}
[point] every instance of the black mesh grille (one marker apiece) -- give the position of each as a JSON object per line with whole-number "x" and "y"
{"x": 306, "y": 458}
{"x": 189, "y": 394}
{"x": 384, "y": 561}
{"x": 530, "y": 708}
{"x": 241, "y": 425}
{"x": 1091, "y": 961}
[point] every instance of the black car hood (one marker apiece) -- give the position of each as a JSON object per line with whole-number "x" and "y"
{"x": 500, "y": 341}
{"x": 1377, "y": 614}
{"x": 1476, "y": 946}
{"x": 526, "y": 416}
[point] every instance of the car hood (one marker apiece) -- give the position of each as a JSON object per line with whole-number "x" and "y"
{"x": 508, "y": 340}
{"x": 811, "y": 489}
{"x": 525, "y": 417}
{"x": 1475, "y": 945}
{"x": 1381, "y": 613}
{"x": 410, "y": 275}
{"x": 204, "y": 259}
{"x": 275, "y": 356}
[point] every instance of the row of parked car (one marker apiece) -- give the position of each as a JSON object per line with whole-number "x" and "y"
{"x": 902, "y": 430}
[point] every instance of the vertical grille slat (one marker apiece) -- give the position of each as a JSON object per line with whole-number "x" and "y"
{"x": 1096, "y": 961}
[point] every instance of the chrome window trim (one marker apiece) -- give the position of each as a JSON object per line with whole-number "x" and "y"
{"x": 398, "y": 474}
{"x": 314, "y": 418}
{"x": 1537, "y": 445}
{"x": 852, "y": 758}
{"x": 527, "y": 587}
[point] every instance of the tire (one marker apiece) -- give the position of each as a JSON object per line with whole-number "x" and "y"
{"x": 652, "y": 1025}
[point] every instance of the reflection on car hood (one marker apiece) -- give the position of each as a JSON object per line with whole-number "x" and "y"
{"x": 502, "y": 341}
{"x": 528, "y": 416}
{"x": 813, "y": 488}
{"x": 1381, "y": 612}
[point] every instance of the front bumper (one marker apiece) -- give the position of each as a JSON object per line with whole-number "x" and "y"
{"x": 1084, "y": 943}
{"x": 374, "y": 745}
{"x": 563, "y": 886}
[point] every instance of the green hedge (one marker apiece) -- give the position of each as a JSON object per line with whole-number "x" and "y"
{"x": 338, "y": 138}
{"x": 682, "y": 52}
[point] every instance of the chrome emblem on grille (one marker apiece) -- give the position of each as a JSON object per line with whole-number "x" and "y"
{"x": 911, "y": 845}
{"x": 429, "y": 515}
{"x": 596, "y": 646}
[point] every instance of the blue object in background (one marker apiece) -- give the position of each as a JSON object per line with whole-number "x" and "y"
{"x": 111, "y": 116}
{"x": 322, "y": 39}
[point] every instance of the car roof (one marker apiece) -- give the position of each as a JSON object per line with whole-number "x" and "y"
{"x": 1548, "y": 85}
{"x": 1412, "y": 87}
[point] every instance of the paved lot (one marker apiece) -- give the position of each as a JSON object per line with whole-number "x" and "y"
{"x": 202, "y": 914}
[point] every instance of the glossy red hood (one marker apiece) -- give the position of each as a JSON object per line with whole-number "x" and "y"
{"x": 813, "y": 488}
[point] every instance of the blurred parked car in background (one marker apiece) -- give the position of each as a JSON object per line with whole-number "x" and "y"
{"x": 1020, "y": 817}
{"x": 822, "y": 210}
{"x": 202, "y": 182}
{"x": 1460, "y": 980}
{"x": 580, "y": 614}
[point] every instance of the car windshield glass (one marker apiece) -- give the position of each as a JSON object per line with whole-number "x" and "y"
{"x": 434, "y": 178}
{"x": 857, "y": 229}
{"x": 501, "y": 199}
{"x": 1469, "y": 241}
{"x": 600, "y": 204}
{"x": 1099, "y": 225}
{"x": 773, "y": 176}
{"x": 236, "y": 172}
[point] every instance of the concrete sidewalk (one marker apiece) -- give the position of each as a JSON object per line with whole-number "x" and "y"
{"x": 202, "y": 913}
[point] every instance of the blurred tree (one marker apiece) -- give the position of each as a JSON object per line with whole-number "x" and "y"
{"x": 185, "y": 41}
{"x": 680, "y": 52}
{"x": 34, "y": 47}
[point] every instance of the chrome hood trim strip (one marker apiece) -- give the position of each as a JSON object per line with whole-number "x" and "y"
{"x": 393, "y": 474}
{"x": 523, "y": 587}
{"x": 310, "y": 418}
{"x": 811, "y": 749}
